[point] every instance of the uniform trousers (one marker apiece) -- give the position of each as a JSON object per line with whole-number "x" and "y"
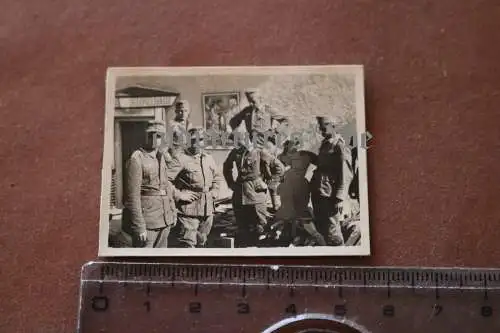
{"x": 155, "y": 238}
{"x": 251, "y": 222}
{"x": 192, "y": 231}
{"x": 327, "y": 220}
{"x": 275, "y": 199}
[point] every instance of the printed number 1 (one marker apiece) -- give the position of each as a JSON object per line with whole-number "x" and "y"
{"x": 291, "y": 309}
{"x": 437, "y": 309}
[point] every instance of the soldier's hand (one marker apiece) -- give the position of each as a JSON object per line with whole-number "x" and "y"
{"x": 339, "y": 207}
{"x": 214, "y": 195}
{"x": 143, "y": 237}
{"x": 189, "y": 196}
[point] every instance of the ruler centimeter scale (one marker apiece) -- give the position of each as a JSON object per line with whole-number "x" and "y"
{"x": 152, "y": 297}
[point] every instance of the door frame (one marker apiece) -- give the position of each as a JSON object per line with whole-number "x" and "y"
{"x": 157, "y": 114}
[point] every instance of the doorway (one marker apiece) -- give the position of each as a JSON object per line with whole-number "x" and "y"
{"x": 132, "y": 138}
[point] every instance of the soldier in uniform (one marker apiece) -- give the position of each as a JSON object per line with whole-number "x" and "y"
{"x": 196, "y": 171}
{"x": 279, "y": 132}
{"x": 177, "y": 136}
{"x": 275, "y": 138}
{"x": 181, "y": 118}
{"x": 330, "y": 183}
{"x": 255, "y": 116}
{"x": 178, "y": 128}
{"x": 149, "y": 197}
{"x": 249, "y": 189}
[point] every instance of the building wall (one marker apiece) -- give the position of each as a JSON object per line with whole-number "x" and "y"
{"x": 191, "y": 89}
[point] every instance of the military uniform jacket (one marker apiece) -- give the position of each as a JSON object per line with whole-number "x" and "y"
{"x": 247, "y": 187}
{"x": 254, "y": 118}
{"x": 198, "y": 173}
{"x": 333, "y": 172}
{"x": 148, "y": 196}
{"x": 272, "y": 169}
{"x": 177, "y": 133}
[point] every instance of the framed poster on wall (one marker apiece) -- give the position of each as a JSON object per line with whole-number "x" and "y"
{"x": 218, "y": 109}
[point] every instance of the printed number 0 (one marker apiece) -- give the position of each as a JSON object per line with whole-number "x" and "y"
{"x": 486, "y": 311}
{"x": 100, "y": 303}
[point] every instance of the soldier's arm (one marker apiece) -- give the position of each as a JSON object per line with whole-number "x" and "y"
{"x": 342, "y": 165}
{"x": 217, "y": 178}
{"x": 174, "y": 165}
{"x": 238, "y": 118}
{"x": 277, "y": 167}
{"x": 313, "y": 158}
{"x": 265, "y": 159}
{"x": 227, "y": 169}
{"x": 133, "y": 197}
{"x": 177, "y": 194}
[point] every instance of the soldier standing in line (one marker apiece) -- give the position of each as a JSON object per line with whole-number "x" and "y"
{"x": 330, "y": 183}
{"x": 177, "y": 136}
{"x": 178, "y": 128}
{"x": 255, "y": 116}
{"x": 249, "y": 189}
{"x": 195, "y": 171}
{"x": 272, "y": 146}
{"x": 149, "y": 197}
{"x": 181, "y": 118}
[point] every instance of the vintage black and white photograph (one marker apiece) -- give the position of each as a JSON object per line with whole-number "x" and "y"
{"x": 235, "y": 161}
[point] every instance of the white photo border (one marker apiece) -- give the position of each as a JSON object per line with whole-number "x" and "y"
{"x": 113, "y": 73}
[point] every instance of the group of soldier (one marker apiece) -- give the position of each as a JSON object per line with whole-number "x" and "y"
{"x": 171, "y": 190}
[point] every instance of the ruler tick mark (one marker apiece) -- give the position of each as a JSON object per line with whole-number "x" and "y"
{"x": 244, "y": 287}
{"x": 485, "y": 290}
{"x": 341, "y": 294}
{"x": 436, "y": 286}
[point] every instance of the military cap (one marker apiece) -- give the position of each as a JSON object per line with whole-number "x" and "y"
{"x": 155, "y": 126}
{"x": 325, "y": 120}
{"x": 182, "y": 103}
{"x": 196, "y": 133}
{"x": 279, "y": 117}
{"x": 250, "y": 91}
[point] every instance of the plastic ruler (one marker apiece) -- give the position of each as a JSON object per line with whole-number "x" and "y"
{"x": 152, "y": 297}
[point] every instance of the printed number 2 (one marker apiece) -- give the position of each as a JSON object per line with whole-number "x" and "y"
{"x": 195, "y": 307}
{"x": 243, "y": 308}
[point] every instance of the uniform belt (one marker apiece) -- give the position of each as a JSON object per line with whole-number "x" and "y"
{"x": 194, "y": 189}
{"x": 154, "y": 192}
{"x": 199, "y": 190}
{"x": 246, "y": 179}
